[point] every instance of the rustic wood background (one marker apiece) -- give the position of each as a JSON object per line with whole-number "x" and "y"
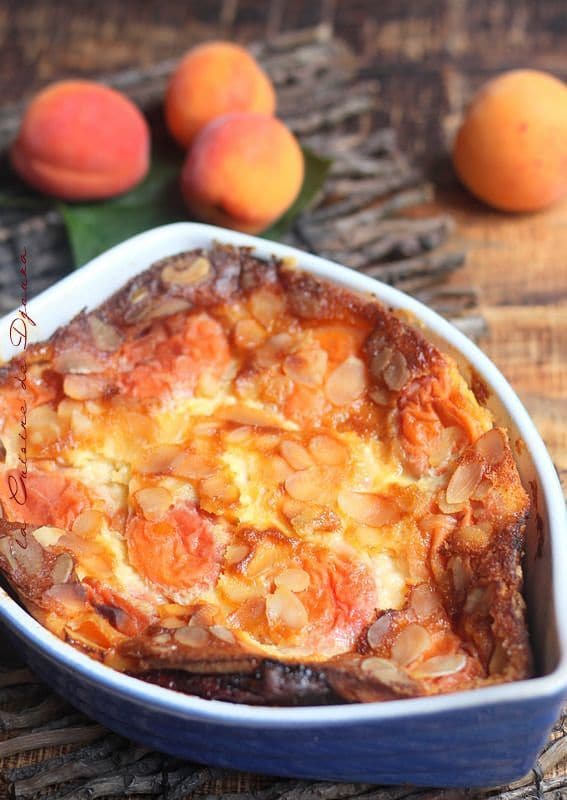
{"x": 428, "y": 57}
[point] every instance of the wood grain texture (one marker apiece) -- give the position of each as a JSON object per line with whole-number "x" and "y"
{"x": 428, "y": 56}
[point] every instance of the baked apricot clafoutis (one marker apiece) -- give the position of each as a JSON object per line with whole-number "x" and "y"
{"x": 248, "y": 483}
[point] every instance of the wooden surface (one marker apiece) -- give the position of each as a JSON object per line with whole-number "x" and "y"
{"x": 429, "y": 56}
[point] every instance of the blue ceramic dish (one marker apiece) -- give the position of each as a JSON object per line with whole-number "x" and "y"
{"x": 476, "y": 738}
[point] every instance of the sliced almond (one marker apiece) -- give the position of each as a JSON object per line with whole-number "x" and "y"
{"x": 160, "y": 459}
{"x": 105, "y": 336}
{"x": 173, "y": 623}
{"x": 192, "y": 465}
{"x": 379, "y": 361}
{"x": 307, "y": 367}
{"x": 235, "y": 553}
{"x": 491, "y": 446}
{"x": 425, "y": 601}
{"x": 463, "y": 482}
{"x": 154, "y": 501}
{"x": 84, "y": 387}
{"x": 217, "y": 487}
{"x": 305, "y": 485}
{"x": 328, "y": 451}
{"x": 386, "y": 672}
{"x": 369, "y": 509}
{"x": 222, "y": 633}
{"x": 248, "y": 334}
{"x": 296, "y": 455}
{"x": 79, "y": 362}
{"x": 62, "y": 568}
{"x": 88, "y": 523}
{"x": 192, "y": 636}
{"x": 284, "y": 608}
{"x": 196, "y": 272}
{"x": 396, "y": 374}
{"x": 347, "y": 382}
{"x": 440, "y": 666}
{"x": 410, "y": 644}
{"x": 267, "y": 304}
{"x": 378, "y": 630}
{"x": 294, "y": 579}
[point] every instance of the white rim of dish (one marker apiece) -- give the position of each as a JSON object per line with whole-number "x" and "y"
{"x": 227, "y": 714}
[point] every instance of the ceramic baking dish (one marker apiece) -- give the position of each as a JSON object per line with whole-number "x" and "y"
{"x": 475, "y": 738}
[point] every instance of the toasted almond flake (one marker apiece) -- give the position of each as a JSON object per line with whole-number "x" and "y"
{"x": 248, "y": 334}
{"x": 295, "y": 454}
{"x": 294, "y": 579}
{"x": 445, "y": 446}
{"x": 459, "y": 572}
{"x": 380, "y": 396}
{"x": 167, "y": 307}
{"x": 238, "y": 591}
{"x": 305, "y": 485}
{"x": 266, "y": 304}
{"x": 172, "y": 623}
{"x": 161, "y": 638}
{"x": 78, "y": 362}
{"x": 307, "y": 366}
{"x": 463, "y": 482}
{"x": 88, "y": 523}
{"x": 105, "y": 336}
{"x": 192, "y": 636}
{"x": 222, "y": 633}
{"x": 369, "y": 509}
{"x": 379, "y": 361}
{"x": 491, "y": 446}
{"x": 84, "y": 387}
{"x": 396, "y": 373}
{"x": 238, "y": 435}
{"x": 6, "y": 552}
{"x": 378, "y": 630}
{"x": 154, "y": 501}
{"x": 347, "y": 382}
{"x": 328, "y": 451}
{"x": 424, "y": 601}
{"x": 277, "y": 470}
{"x": 248, "y": 415}
{"x": 62, "y": 568}
{"x": 266, "y": 441}
{"x": 410, "y": 644}
{"x": 160, "y": 459}
{"x": 274, "y": 350}
{"x": 30, "y": 556}
{"x": 204, "y": 616}
{"x": 440, "y": 666}
{"x": 192, "y": 465}
{"x": 284, "y": 608}
{"x": 498, "y": 660}
{"x": 235, "y": 553}
{"x": 386, "y": 672}
{"x": 189, "y": 275}
{"x": 217, "y": 487}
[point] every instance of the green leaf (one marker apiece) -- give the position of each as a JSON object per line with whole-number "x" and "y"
{"x": 94, "y": 227}
{"x": 316, "y": 170}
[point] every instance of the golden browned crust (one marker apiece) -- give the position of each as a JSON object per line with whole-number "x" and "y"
{"x": 461, "y": 507}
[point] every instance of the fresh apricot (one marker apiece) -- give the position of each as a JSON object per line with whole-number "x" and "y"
{"x": 213, "y": 79}
{"x": 243, "y": 171}
{"x": 511, "y": 149}
{"x": 80, "y": 140}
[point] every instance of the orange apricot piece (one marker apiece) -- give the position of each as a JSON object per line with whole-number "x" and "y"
{"x": 213, "y": 79}
{"x": 511, "y": 149}
{"x": 243, "y": 171}
{"x": 80, "y": 140}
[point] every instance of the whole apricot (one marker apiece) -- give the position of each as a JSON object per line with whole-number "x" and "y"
{"x": 213, "y": 79}
{"x": 511, "y": 149}
{"x": 243, "y": 171}
{"x": 80, "y": 140}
